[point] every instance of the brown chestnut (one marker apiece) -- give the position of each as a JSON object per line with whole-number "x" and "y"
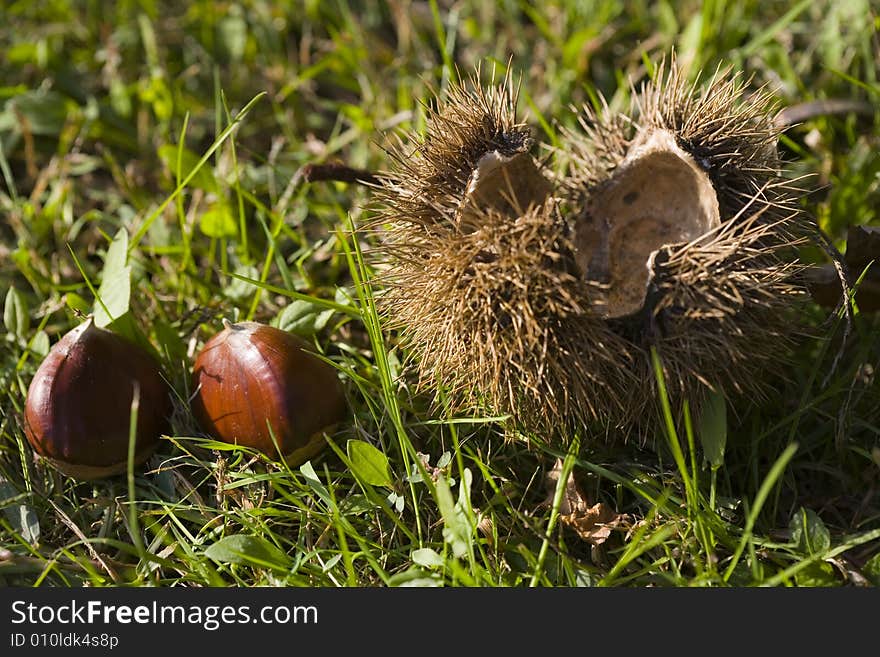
{"x": 252, "y": 382}
{"x": 78, "y": 406}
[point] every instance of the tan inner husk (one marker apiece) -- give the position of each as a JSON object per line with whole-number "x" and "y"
{"x": 507, "y": 184}
{"x": 657, "y": 197}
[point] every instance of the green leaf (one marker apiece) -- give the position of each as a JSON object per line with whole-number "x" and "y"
{"x": 356, "y": 505}
{"x": 396, "y": 501}
{"x": 248, "y": 550}
{"x": 204, "y": 178}
{"x": 426, "y": 557}
{"x": 464, "y": 490}
{"x": 77, "y": 303}
{"x": 871, "y": 569}
{"x": 303, "y": 318}
{"x": 690, "y": 37}
{"x": 585, "y": 578}
{"x": 809, "y": 533}
{"x": 40, "y": 343}
{"x": 114, "y": 294}
{"x": 331, "y": 562}
{"x": 820, "y": 573}
{"x": 44, "y": 111}
{"x": 117, "y": 253}
{"x": 311, "y": 477}
{"x": 712, "y": 429}
{"x": 126, "y": 326}
{"x": 445, "y": 459}
{"x": 237, "y": 289}
{"x": 169, "y": 341}
{"x": 456, "y": 530}
{"x": 369, "y": 464}
{"x": 232, "y": 35}
{"x": 415, "y": 577}
{"x": 15, "y": 314}
{"x": 217, "y": 221}
{"x": 21, "y": 516}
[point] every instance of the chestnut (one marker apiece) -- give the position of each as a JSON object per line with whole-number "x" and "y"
{"x": 253, "y": 382}
{"x": 78, "y": 406}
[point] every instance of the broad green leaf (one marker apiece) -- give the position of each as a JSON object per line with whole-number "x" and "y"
{"x": 690, "y": 37}
{"x": 237, "y": 289}
{"x": 117, "y": 253}
{"x": 303, "y": 318}
{"x": 397, "y": 501}
{"x": 871, "y": 569}
{"x": 77, "y": 303}
{"x": 40, "y": 343}
{"x": 809, "y": 533}
{"x": 15, "y": 314}
{"x": 464, "y": 490}
{"x": 115, "y": 290}
{"x": 126, "y": 326}
{"x": 248, "y": 550}
{"x": 426, "y": 557}
{"x": 585, "y": 578}
{"x": 343, "y": 297}
{"x": 155, "y": 91}
{"x": 232, "y": 36}
{"x": 369, "y": 464}
{"x": 46, "y": 112}
{"x": 332, "y": 561}
{"x": 356, "y": 504}
{"x": 170, "y": 342}
{"x": 820, "y": 573}
{"x": 217, "y": 221}
{"x": 115, "y": 296}
{"x": 120, "y": 98}
{"x": 445, "y": 459}
{"x": 421, "y": 583}
{"x": 204, "y": 178}
{"x": 415, "y": 578}
{"x": 311, "y": 477}
{"x": 22, "y": 517}
{"x": 456, "y": 530}
{"x": 712, "y": 429}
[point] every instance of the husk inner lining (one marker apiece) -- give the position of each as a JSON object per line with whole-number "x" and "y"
{"x": 509, "y": 184}
{"x": 657, "y": 197}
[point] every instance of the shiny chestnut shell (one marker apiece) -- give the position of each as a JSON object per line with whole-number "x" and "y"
{"x": 78, "y": 406}
{"x": 250, "y": 377}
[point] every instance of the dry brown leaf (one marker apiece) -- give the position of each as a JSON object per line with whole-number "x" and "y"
{"x": 862, "y": 249}
{"x": 593, "y": 523}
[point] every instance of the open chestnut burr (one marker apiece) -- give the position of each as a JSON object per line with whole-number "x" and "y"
{"x": 258, "y": 386}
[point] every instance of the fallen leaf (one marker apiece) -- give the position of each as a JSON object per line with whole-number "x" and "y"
{"x": 592, "y": 522}
{"x": 862, "y": 249}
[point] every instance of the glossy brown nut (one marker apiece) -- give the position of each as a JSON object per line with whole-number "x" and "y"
{"x": 250, "y": 377}
{"x": 78, "y": 407}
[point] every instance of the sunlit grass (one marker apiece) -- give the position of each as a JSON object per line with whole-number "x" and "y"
{"x": 186, "y": 130}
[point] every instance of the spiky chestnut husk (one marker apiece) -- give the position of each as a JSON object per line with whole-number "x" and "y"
{"x": 510, "y": 305}
{"x": 428, "y": 189}
{"x": 719, "y": 304}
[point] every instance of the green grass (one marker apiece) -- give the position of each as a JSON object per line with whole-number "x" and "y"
{"x": 177, "y": 134}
